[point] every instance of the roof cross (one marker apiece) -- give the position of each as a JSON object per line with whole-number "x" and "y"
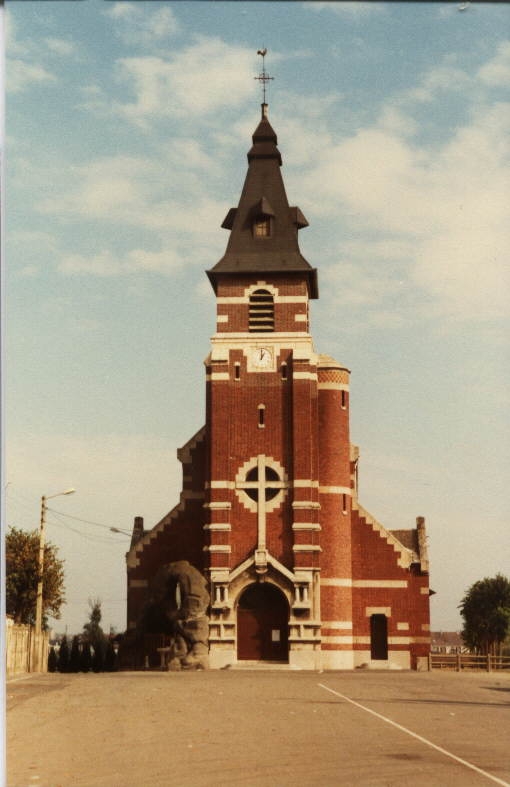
{"x": 263, "y": 76}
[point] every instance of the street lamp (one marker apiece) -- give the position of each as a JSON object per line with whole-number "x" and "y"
{"x": 39, "y": 601}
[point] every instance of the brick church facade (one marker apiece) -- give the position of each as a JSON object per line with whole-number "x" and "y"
{"x": 296, "y": 569}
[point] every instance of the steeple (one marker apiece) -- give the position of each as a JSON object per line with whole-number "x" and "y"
{"x": 263, "y": 228}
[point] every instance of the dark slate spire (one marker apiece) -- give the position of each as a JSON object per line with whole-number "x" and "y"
{"x": 264, "y": 198}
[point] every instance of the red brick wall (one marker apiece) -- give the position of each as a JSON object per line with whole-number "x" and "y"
{"x": 179, "y": 535}
{"x": 284, "y": 313}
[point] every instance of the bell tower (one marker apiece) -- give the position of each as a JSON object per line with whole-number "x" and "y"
{"x": 263, "y": 414}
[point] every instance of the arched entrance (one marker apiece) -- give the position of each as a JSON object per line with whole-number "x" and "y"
{"x": 262, "y": 624}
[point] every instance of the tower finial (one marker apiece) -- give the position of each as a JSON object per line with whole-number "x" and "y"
{"x": 263, "y": 77}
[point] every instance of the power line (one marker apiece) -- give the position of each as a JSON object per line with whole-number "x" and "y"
{"x": 26, "y": 503}
{"x": 88, "y": 521}
{"x": 87, "y": 536}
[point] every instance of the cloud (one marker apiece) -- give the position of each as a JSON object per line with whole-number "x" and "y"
{"x": 163, "y": 196}
{"x": 497, "y": 71}
{"x": 444, "y": 204}
{"x": 110, "y": 188}
{"x": 163, "y": 193}
{"x": 21, "y": 75}
{"x": 443, "y": 78}
{"x": 447, "y": 78}
{"x": 359, "y": 173}
{"x": 60, "y": 46}
{"x": 106, "y": 264}
{"x": 13, "y": 46}
{"x": 393, "y": 119}
{"x": 139, "y": 26}
{"x": 189, "y": 155}
{"x": 353, "y": 10}
{"x": 174, "y": 86}
{"x": 31, "y": 248}
{"x": 24, "y": 66}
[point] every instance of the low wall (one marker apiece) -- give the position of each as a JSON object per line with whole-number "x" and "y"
{"x": 24, "y": 651}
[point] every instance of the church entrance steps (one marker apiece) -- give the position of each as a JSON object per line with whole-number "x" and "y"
{"x": 260, "y": 665}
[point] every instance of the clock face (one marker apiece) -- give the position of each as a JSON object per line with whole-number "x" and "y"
{"x": 262, "y": 358}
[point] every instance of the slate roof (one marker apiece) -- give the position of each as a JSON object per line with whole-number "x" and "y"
{"x": 264, "y": 194}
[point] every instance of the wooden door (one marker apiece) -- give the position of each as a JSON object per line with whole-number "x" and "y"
{"x": 263, "y": 624}
{"x": 379, "y": 637}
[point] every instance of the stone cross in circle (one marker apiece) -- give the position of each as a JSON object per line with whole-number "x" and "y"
{"x": 262, "y": 483}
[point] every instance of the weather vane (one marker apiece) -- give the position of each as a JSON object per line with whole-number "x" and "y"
{"x": 263, "y": 76}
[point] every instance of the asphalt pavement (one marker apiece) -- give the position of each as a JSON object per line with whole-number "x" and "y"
{"x": 252, "y": 728}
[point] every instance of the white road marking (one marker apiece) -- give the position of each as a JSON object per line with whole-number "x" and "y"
{"x": 418, "y": 737}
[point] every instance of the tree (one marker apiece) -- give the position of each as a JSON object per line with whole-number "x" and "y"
{"x": 74, "y": 658}
{"x": 63, "y": 656}
{"x": 486, "y": 612}
{"x": 110, "y": 662}
{"x": 52, "y": 660}
{"x": 506, "y": 646}
{"x": 94, "y": 634}
{"x": 85, "y": 658}
{"x": 22, "y": 576}
{"x": 97, "y": 660}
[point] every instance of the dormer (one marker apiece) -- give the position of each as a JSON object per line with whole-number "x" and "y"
{"x": 262, "y": 219}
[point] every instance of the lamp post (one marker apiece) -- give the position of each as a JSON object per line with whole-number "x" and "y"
{"x": 39, "y": 601}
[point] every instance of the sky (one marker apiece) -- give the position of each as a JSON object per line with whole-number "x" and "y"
{"x": 127, "y": 129}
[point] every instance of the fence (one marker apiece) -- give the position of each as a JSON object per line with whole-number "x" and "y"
{"x": 468, "y": 661}
{"x": 25, "y": 652}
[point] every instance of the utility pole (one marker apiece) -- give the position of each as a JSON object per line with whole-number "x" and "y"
{"x": 39, "y": 605}
{"x": 37, "y": 650}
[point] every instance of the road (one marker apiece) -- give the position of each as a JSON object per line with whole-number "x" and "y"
{"x": 259, "y": 729}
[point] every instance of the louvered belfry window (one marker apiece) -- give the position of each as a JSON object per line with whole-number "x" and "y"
{"x": 261, "y": 311}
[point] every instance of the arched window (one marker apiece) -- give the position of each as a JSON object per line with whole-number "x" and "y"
{"x": 261, "y": 311}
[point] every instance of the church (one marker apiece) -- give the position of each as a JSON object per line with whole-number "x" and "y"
{"x": 269, "y": 555}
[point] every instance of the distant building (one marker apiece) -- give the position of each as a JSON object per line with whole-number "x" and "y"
{"x": 447, "y": 642}
{"x": 297, "y": 570}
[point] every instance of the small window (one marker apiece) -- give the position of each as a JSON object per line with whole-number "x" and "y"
{"x": 262, "y": 227}
{"x": 344, "y": 400}
{"x": 344, "y": 504}
{"x": 237, "y": 371}
{"x": 284, "y": 371}
{"x": 261, "y": 311}
{"x": 262, "y": 415}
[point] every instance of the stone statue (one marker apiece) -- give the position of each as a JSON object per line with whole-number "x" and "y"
{"x": 178, "y": 607}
